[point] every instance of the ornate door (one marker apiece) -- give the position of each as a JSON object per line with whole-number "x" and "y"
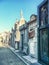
{"x": 44, "y": 45}
{"x": 43, "y": 32}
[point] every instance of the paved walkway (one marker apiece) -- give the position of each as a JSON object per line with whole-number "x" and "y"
{"x": 7, "y": 57}
{"x": 27, "y": 59}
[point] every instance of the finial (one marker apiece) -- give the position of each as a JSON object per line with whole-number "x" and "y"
{"x": 21, "y": 13}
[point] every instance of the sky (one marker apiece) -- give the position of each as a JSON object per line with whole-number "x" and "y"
{"x": 10, "y": 11}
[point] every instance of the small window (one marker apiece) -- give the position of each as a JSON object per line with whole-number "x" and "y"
{"x": 31, "y": 28}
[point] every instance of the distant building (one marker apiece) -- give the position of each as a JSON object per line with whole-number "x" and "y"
{"x": 32, "y": 34}
{"x": 16, "y": 28}
{"x": 12, "y": 38}
{"x": 5, "y": 37}
{"x": 1, "y": 38}
{"x": 15, "y": 33}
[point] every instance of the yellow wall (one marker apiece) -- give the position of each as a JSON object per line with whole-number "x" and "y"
{"x": 21, "y": 22}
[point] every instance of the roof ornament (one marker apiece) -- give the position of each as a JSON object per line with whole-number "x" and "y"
{"x": 21, "y": 13}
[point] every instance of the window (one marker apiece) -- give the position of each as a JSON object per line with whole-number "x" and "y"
{"x": 44, "y": 14}
{"x": 31, "y": 29}
{"x": 22, "y": 38}
{"x": 31, "y": 34}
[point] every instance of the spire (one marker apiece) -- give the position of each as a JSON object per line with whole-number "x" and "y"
{"x": 21, "y": 13}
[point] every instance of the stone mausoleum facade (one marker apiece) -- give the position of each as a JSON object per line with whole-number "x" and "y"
{"x": 43, "y": 32}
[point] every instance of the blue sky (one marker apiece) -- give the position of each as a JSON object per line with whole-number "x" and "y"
{"x": 10, "y": 11}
